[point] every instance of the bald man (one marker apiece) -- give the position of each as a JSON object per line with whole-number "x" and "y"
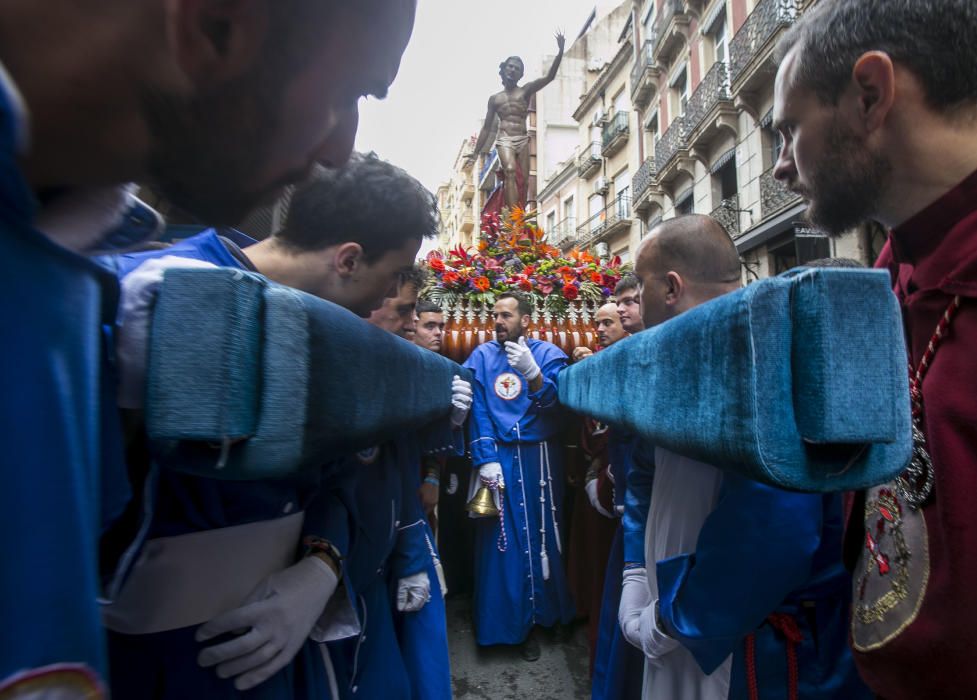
{"x": 748, "y": 597}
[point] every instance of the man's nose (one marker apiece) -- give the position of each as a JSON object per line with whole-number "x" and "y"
{"x": 784, "y": 169}
{"x": 335, "y": 151}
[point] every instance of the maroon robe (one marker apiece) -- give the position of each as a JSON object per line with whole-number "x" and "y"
{"x": 914, "y": 628}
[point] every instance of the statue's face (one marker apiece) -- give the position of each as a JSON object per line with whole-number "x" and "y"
{"x": 512, "y": 71}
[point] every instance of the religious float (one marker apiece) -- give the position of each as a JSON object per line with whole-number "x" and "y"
{"x": 512, "y": 255}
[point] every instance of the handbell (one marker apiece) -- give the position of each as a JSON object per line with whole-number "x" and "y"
{"x": 482, "y": 504}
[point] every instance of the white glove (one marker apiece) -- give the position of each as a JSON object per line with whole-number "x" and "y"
{"x": 635, "y": 597}
{"x": 461, "y": 400}
{"x": 591, "y": 488}
{"x": 413, "y": 592}
{"x": 277, "y": 618}
{"x": 138, "y": 296}
{"x": 654, "y": 642}
{"x": 491, "y": 473}
{"x": 521, "y": 358}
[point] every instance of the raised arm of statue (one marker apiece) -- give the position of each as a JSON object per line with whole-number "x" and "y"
{"x": 486, "y": 130}
{"x": 535, "y": 85}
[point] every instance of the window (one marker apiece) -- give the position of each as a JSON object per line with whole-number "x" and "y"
{"x": 680, "y": 92}
{"x": 596, "y": 207}
{"x": 621, "y": 102}
{"x": 773, "y": 142}
{"x": 724, "y": 181}
{"x": 683, "y": 203}
{"x": 568, "y": 209}
{"x": 717, "y": 33}
{"x": 551, "y": 221}
{"x": 648, "y": 23}
{"x": 622, "y": 194}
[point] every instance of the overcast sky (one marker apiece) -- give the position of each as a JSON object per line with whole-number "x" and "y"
{"x": 449, "y": 70}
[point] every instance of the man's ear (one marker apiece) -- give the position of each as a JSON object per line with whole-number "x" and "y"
{"x": 524, "y": 321}
{"x": 214, "y": 41}
{"x": 874, "y": 79}
{"x": 348, "y": 259}
{"x": 675, "y": 287}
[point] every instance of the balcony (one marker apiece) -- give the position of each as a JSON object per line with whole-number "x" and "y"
{"x": 491, "y": 159}
{"x": 610, "y": 220}
{"x": 467, "y": 221}
{"x": 752, "y": 46}
{"x": 711, "y": 107}
{"x": 563, "y": 233}
{"x": 615, "y": 134}
{"x": 774, "y": 195}
{"x": 728, "y": 215}
{"x": 467, "y": 190}
{"x": 644, "y": 188}
{"x": 644, "y": 75}
{"x": 670, "y": 149}
{"x": 589, "y": 160}
{"x": 671, "y": 31}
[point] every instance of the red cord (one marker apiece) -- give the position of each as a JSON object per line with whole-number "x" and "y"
{"x": 787, "y": 626}
{"x": 750, "y": 658}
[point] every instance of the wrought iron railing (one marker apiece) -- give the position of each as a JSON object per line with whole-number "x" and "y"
{"x": 617, "y": 212}
{"x": 562, "y": 231}
{"x": 588, "y": 159}
{"x": 643, "y": 179}
{"x": 728, "y": 214}
{"x": 767, "y": 17}
{"x": 668, "y": 10}
{"x": 774, "y": 195}
{"x": 670, "y": 142}
{"x": 616, "y": 126}
{"x": 711, "y": 89}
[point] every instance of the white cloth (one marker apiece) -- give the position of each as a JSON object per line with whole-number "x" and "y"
{"x": 684, "y": 494}
{"x": 591, "y": 488}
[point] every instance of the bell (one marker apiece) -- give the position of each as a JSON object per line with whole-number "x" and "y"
{"x": 482, "y": 504}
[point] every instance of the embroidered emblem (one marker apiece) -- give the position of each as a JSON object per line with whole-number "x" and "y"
{"x": 369, "y": 455}
{"x": 893, "y": 569}
{"x": 508, "y": 386}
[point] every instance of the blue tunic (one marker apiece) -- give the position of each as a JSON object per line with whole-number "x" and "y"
{"x": 183, "y": 503}
{"x": 59, "y": 432}
{"x": 384, "y": 537}
{"x": 761, "y": 551}
{"x": 511, "y": 426}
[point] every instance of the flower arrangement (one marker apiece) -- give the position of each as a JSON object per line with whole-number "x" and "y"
{"x": 513, "y": 255}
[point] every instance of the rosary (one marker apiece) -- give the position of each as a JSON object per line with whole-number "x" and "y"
{"x": 915, "y": 484}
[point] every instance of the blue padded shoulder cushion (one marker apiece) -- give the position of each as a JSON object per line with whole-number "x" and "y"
{"x": 248, "y": 379}
{"x": 798, "y": 381}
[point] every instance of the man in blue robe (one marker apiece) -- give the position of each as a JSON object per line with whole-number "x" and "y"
{"x": 218, "y": 109}
{"x": 519, "y": 575}
{"x": 401, "y": 650}
{"x": 748, "y": 597}
{"x": 252, "y": 555}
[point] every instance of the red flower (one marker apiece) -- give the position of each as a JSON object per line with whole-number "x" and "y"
{"x": 450, "y": 277}
{"x": 545, "y": 286}
{"x": 570, "y": 292}
{"x": 525, "y": 285}
{"x": 596, "y": 278}
{"x": 528, "y": 270}
{"x": 436, "y": 264}
{"x": 482, "y": 283}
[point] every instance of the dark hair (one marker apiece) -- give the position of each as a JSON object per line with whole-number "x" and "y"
{"x": 368, "y": 201}
{"x": 415, "y": 275}
{"x": 626, "y": 284}
{"x": 935, "y": 39}
{"x": 523, "y": 304}
{"x": 511, "y": 58}
{"x": 426, "y": 306}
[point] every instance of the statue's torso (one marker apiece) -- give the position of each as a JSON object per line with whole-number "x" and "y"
{"x": 512, "y": 108}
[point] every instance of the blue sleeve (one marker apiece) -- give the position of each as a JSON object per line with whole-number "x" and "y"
{"x": 753, "y": 550}
{"x": 637, "y": 500}
{"x": 481, "y": 428}
{"x": 442, "y": 438}
{"x": 329, "y": 515}
{"x": 550, "y": 368}
{"x": 411, "y": 554}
